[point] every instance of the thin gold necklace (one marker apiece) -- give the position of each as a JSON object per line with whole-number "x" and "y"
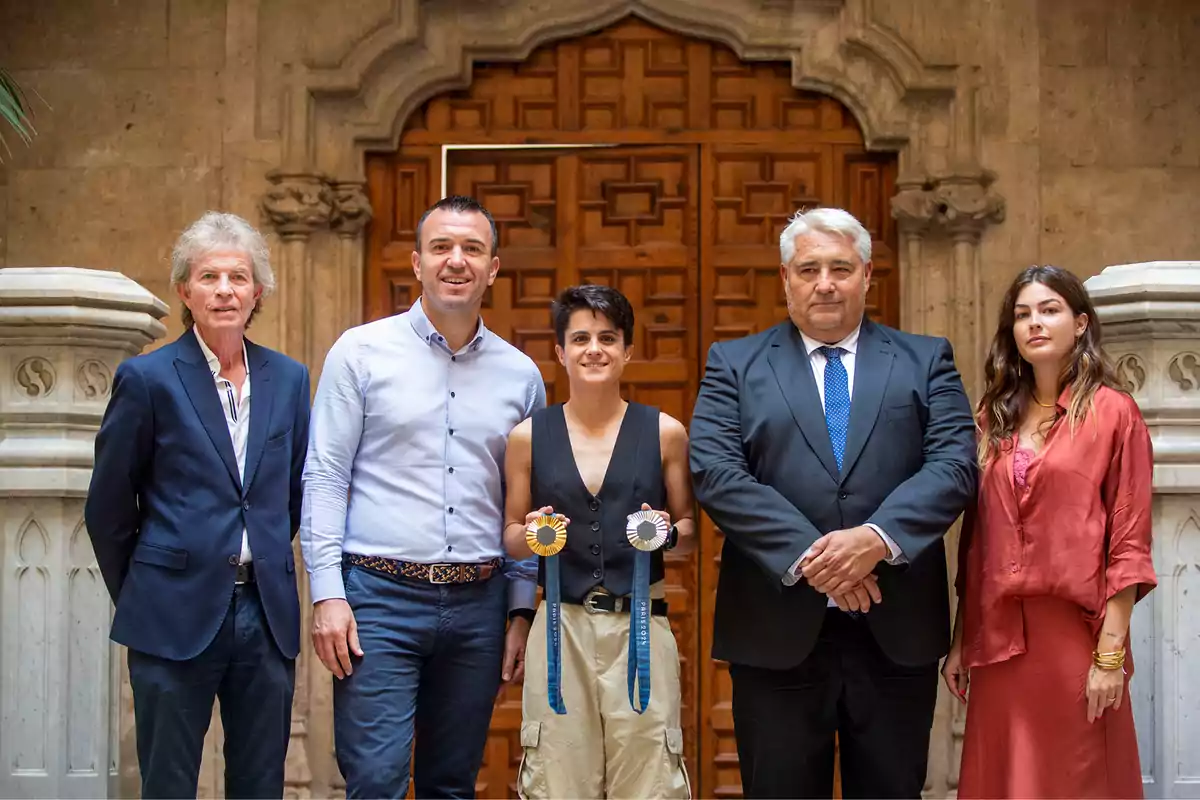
{"x": 1043, "y": 405}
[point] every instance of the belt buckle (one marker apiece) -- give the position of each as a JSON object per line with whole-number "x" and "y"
{"x": 589, "y": 600}
{"x": 450, "y": 573}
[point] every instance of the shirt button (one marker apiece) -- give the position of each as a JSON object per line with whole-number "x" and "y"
{"x": 449, "y": 548}
{"x": 595, "y": 573}
{"x": 595, "y": 526}
{"x": 452, "y": 431}
{"x": 595, "y": 504}
{"x": 595, "y": 549}
{"x": 452, "y": 394}
{"x": 451, "y": 509}
{"x": 451, "y": 470}
{"x": 233, "y": 560}
{"x": 454, "y": 358}
{"x": 842, "y": 495}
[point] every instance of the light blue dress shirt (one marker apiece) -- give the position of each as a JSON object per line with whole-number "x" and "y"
{"x": 406, "y": 450}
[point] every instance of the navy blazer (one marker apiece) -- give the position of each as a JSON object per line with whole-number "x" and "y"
{"x": 166, "y": 506}
{"x": 764, "y": 470}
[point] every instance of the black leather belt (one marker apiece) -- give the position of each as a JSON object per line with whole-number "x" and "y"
{"x": 598, "y": 601}
{"x": 245, "y": 573}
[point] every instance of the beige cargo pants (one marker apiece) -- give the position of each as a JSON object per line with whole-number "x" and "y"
{"x": 601, "y": 748}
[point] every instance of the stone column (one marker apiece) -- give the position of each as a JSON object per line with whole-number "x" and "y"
{"x": 966, "y": 206}
{"x": 297, "y": 205}
{"x": 63, "y": 331}
{"x": 914, "y": 210}
{"x": 958, "y": 207}
{"x": 1151, "y": 318}
{"x": 352, "y": 212}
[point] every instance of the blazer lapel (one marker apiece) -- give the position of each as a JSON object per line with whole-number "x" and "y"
{"x": 262, "y": 395}
{"x": 793, "y": 371}
{"x": 202, "y": 391}
{"x": 872, "y": 368}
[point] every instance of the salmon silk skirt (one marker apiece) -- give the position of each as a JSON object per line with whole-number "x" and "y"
{"x": 1027, "y": 733}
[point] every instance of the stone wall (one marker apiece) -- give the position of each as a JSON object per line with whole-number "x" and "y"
{"x": 1085, "y": 110}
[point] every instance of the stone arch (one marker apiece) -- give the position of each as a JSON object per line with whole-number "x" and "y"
{"x": 834, "y": 48}
{"x": 925, "y": 113}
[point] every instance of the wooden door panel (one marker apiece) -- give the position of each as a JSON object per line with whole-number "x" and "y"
{"x": 683, "y": 214}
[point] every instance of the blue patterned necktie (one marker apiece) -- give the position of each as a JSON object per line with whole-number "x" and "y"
{"x": 837, "y": 400}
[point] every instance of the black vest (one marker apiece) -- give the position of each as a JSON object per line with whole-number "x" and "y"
{"x": 597, "y": 551}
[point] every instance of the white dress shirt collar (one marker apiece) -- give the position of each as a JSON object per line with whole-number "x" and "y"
{"x": 214, "y": 363}
{"x": 849, "y": 344}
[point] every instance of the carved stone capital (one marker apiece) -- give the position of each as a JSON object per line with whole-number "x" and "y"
{"x": 966, "y": 204}
{"x": 297, "y": 204}
{"x": 914, "y": 208}
{"x": 351, "y": 209}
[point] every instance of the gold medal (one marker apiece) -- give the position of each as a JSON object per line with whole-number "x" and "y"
{"x": 646, "y": 530}
{"x": 546, "y": 535}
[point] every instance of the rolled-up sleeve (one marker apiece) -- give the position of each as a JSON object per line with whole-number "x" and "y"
{"x": 334, "y": 434}
{"x": 1127, "y": 498}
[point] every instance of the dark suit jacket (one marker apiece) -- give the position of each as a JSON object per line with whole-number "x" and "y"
{"x": 166, "y": 506}
{"x": 764, "y": 470}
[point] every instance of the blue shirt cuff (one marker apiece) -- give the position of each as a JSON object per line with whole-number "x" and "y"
{"x": 522, "y": 592}
{"x": 326, "y": 584}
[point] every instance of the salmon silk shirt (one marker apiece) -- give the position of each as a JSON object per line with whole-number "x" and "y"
{"x": 1079, "y": 530}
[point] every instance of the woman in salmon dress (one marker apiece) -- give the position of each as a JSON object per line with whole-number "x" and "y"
{"x": 1054, "y": 555}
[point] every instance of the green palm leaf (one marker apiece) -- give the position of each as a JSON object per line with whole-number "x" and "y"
{"x": 14, "y": 110}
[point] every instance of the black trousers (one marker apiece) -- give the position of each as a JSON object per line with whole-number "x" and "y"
{"x": 173, "y": 704}
{"x": 882, "y": 713}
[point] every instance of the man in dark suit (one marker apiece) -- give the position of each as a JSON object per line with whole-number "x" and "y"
{"x": 194, "y": 500}
{"x": 833, "y": 452}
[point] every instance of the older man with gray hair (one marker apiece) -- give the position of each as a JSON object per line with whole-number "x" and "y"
{"x": 194, "y": 500}
{"x": 833, "y": 452}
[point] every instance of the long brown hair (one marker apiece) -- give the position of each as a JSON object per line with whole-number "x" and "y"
{"x": 1009, "y": 378}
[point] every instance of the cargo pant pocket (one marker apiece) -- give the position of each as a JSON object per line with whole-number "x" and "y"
{"x": 675, "y": 778}
{"x": 531, "y": 775}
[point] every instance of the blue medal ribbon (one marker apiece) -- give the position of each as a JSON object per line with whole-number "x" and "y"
{"x": 639, "y": 634}
{"x": 554, "y": 637}
{"x": 646, "y": 531}
{"x": 547, "y": 536}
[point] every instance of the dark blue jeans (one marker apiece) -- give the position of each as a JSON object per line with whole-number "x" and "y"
{"x": 173, "y": 703}
{"x": 430, "y": 666}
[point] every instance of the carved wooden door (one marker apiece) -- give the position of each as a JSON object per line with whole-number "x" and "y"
{"x": 679, "y": 166}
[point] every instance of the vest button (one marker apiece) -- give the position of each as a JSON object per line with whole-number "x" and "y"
{"x": 594, "y": 505}
{"x": 595, "y": 526}
{"x": 595, "y": 549}
{"x": 233, "y": 560}
{"x": 595, "y": 573}
{"x": 842, "y": 495}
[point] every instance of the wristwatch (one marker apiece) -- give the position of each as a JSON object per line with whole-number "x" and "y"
{"x": 672, "y": 538}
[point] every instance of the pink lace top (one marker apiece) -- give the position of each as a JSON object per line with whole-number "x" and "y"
{"x": 1021, "y": 459}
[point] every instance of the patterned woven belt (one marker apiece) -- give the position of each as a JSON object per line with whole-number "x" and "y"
{"x": 426, "y": 573}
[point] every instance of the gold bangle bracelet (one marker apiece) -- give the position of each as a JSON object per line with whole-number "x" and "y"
{"x": 1113, "y": 660}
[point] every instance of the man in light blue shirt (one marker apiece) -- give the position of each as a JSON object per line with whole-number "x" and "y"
{"x": 403, "y": 518}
